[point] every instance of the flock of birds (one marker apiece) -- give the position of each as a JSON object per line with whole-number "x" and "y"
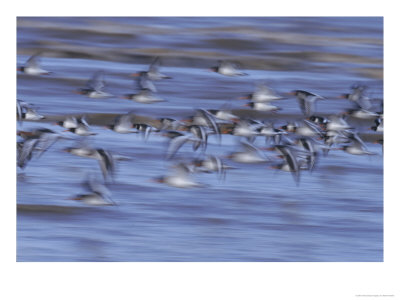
{"x": 297, "y": 145}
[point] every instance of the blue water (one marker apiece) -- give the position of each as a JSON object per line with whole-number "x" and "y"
{"x": 255, "y": 214}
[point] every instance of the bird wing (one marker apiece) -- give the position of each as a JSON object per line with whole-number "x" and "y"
{"x": 124, "y": 121}
{"x": 249, "y": 147}
{"x": 175, "y": 144}
{"x": 210, "y": 122}
{"x": 33, "y": 61}
{"x": 82, "y": 120}
{"x": 106, "y": 162}
{"x": 227, "y": 64}
{"x": 293, "y": 164}
{"x": 357, "y": 140}
{"x": 218, "y": 162}
{"x": 96, "y": 82}
{"x": 314, "y": 127}
{"x": 25, "y": 153}
{"x": 302, "y": 104}
{"x": 19, "y": 110}
{"x": 364, "y": 102}
{"x": 181, "y": 169}
{"x": 97, "y": 187}
{"x": 154, "y": 65}
{"x": 307, "y": 106}
{"x": 46, "y": 140}
{"x": 263, "y": 90}
{"x": 144, "y": 83}
{"x": 252, "y": 149}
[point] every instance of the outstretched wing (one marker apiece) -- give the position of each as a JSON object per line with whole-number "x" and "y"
{"x": 106, "y": 162}
{"x": 293, "y": 164}
{"x": 210, "y": 122}
{"x": 33, "y": 61}
{"x": 175, "y": 144}
{"x": 155, "y": 65}
{"x": 96, "y": 82}
{"x": 46, "y": 140}
{"x": 307, "y": 107}
{"x": 144, "y": 83}
{"x": 25, "y": 153}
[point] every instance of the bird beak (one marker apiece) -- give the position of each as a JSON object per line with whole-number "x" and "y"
{"x": 134, "y": 75}
{"x": 269, "y": 149}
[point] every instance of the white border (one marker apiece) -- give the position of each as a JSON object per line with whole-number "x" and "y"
{"x": 201, "y": 280}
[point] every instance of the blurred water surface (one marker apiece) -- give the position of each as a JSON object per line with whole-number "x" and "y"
{"x": 256, "y": 214}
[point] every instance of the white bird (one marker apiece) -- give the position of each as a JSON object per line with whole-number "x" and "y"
{"x": 81, "y": 129}
{"x": 143, "y": 81}
{"x": 25, "y": 151}
{"x": 179, "y": 177}
{"x": 244, "y": 129}
{"x": 262, "y": 106}
{"x": 261, "y": 94}
{"x": 228, "y": 69}
{"x": 31, "y": 115}
{"x": 22, "y": 107}
{"x": 177, "y": 139}
{"x": 211, "y": 164}
{"x": 99, "y": 194}
{"x": 358, "y": 97}
{"x": 362, "y": 114}
{"x": 204, "y": 118}
{"x": 122, "y": 124}
{"x": 94, "y": 87}
{"x": 250, "y": 155}
{"x": 153, "y": 73}
{"x": 144, "y": 96}
{"x": 357, "y": 146}
{"x": 290, "y": 163}
{"x": 104, "y": 158}
{"x": 225, "y": 115}
{"x": 337, "y": 123}
{"x": 32, "y": 67}
{"x": 306, "y": 101}
{"x": 269, "y": 131}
